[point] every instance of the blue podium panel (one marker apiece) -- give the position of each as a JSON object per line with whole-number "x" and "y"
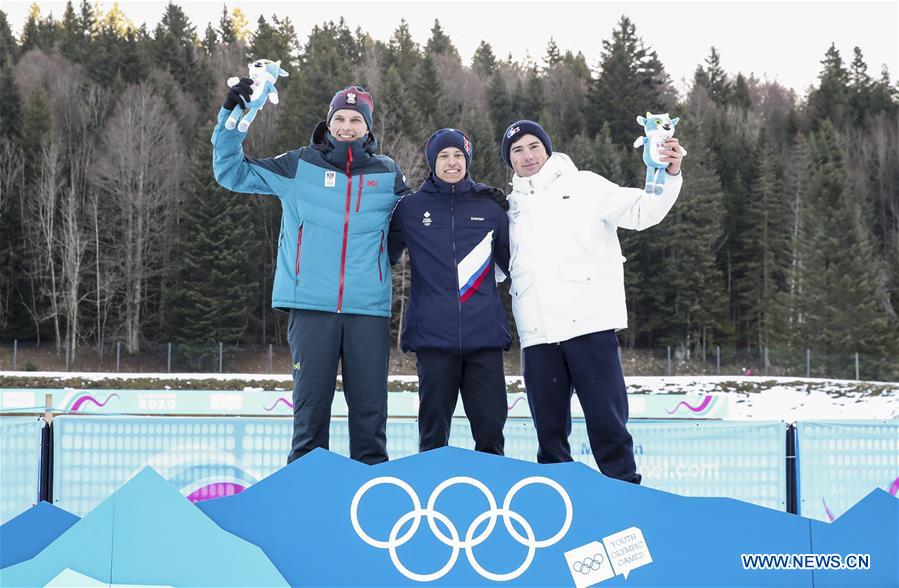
{"x": 840, "y": 462}
{"x": 20, "y": 464}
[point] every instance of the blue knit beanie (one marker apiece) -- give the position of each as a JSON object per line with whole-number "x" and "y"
{"x": 352, "y": 98}
{"x": 519, "y": 129}
{"x": 444, "y": 138}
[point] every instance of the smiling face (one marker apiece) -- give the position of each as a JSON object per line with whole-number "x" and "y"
{"x": 450, "y": 165}
{"x": 347, "y": 125}
{"x": 527, "y": 154}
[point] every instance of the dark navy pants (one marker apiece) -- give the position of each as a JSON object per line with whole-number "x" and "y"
{"x": 590, "y": 366}
{"x": 479, "y": 377}
{"x": 362, "y": 345}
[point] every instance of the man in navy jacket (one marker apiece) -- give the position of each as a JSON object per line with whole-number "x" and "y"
{"x": 455, "y": 321}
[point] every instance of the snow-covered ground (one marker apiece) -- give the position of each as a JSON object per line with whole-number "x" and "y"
{"x": 748, "y": 397}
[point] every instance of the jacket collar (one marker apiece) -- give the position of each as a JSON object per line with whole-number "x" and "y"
{"x": 434, "y": 185}
{"x": 555, "y": 166}
{"x": 337, "y": 153}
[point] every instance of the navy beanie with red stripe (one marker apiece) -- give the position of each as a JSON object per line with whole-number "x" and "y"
{"x": 352, "y": 98}
{"x": 444, "y": 138}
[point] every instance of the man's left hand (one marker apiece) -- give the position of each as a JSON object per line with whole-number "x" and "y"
{"x": 494, "y": 194}
{"x": 673, "y": 153}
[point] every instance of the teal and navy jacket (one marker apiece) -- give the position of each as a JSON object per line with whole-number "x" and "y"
{"x": 336, "y": 202}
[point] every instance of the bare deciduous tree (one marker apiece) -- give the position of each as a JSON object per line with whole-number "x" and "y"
{"x": 137, "y": 170}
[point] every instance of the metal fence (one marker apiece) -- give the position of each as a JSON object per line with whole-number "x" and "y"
{"x": 275, "y": 359}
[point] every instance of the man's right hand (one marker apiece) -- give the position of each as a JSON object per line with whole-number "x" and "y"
{"x": 239, "y": 94}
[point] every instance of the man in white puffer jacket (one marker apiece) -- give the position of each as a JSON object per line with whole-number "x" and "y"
{"x": 568, "y": 291}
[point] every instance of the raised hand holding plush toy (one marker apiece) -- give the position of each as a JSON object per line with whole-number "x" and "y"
{"x": 264, "y": 74}
{"x": 658, "y": 128}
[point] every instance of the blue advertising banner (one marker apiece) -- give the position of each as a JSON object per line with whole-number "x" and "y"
{"x": 840, "y": 462}
{"x": 20, "y": 464}
{"x": 206, "y": 457}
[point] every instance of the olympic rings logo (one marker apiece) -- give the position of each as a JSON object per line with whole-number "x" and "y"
{"x": 395, "y": 540}
{"x": 589, "y": 564}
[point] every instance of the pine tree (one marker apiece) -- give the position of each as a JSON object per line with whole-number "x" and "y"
{"x": 484, "y": 61}
{"x": 428, "y": 93}
{"x": 577, "y": 64}
{"x": 11, "y": 122}
{"x": 397, "y": 112}
{"x": 402, "y": 50}
{"x": 860, "y": 90}
{"x": 13, "y": 314}
{"x": 487, "y": 166}
{"x": 212, "y": 298}
{"x": 326, "y": 66}
{"x": 629, "y": 77}
{"x": 766, "y": 247}
{"x": 608, "y": 158}
{"x": 552, "y": 57}
{"x": 226, "y": 27}
{"x": 210, "y": 40}
{"x": 844, "y": 304}
{"x": 739, "y": 97}
{"x": 9, "y": 51}
{"x": 440, "y": 43}
{"x": 682, "y": 288}
{"x": 174, "y": 50}
{"x": 38, "y": 33}
{"x": 532, "y": 102}
{"x": 830, "y": 101}
{"x": 499, "y": 103}
{"x": 717, "y": 84}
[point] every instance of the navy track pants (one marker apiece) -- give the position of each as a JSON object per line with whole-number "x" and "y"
{"x": 479, "y": 377}
{"x": 590, "y": 366}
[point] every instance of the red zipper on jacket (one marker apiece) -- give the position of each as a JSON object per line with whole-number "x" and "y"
{"x": 380, "y": 253}
{"x": 299, "y": 249}
{"x": 346, "y": 226}
{"x": 359, "y": 193}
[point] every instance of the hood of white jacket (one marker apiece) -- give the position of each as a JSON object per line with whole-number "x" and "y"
{"x": 555, "y": 166}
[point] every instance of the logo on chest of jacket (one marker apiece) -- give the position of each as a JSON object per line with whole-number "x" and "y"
{"x": 426, "y": 219}
{"x": 330, "y": 179}
{"x": 372, "y": 183}
{"x": 477, "y": 218}
{"x": 565, "y": 196}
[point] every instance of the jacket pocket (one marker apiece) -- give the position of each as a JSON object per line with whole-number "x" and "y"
{"x": 520, "y": 286}
{"x": 380, "y": 255}
{"x": 299, "y": 252}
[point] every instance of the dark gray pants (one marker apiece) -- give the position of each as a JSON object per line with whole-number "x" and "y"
{"x": 362, "y": 345}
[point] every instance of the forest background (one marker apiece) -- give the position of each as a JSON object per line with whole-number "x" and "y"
{"x": 114, "y": 234}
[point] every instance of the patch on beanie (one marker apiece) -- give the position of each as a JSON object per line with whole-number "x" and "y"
{"x": 351, "y": 98}
{"x": 512, "y": 132}
{"x": 467, "y": 144}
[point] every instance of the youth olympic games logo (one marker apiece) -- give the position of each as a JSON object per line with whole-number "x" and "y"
{"x": 471, "y": 540}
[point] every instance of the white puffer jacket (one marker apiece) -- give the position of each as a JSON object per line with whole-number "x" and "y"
{"x": 567, "y": 269}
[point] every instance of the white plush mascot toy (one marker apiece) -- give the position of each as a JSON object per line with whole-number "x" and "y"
{"x": 264, "y": 74}
{"x": 658, "y": 128}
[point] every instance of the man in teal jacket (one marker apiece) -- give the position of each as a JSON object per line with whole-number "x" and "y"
{"x": 333, "y": 275}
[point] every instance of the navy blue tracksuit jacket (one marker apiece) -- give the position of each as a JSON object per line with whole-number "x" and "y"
{"x": 454, "y": 238}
